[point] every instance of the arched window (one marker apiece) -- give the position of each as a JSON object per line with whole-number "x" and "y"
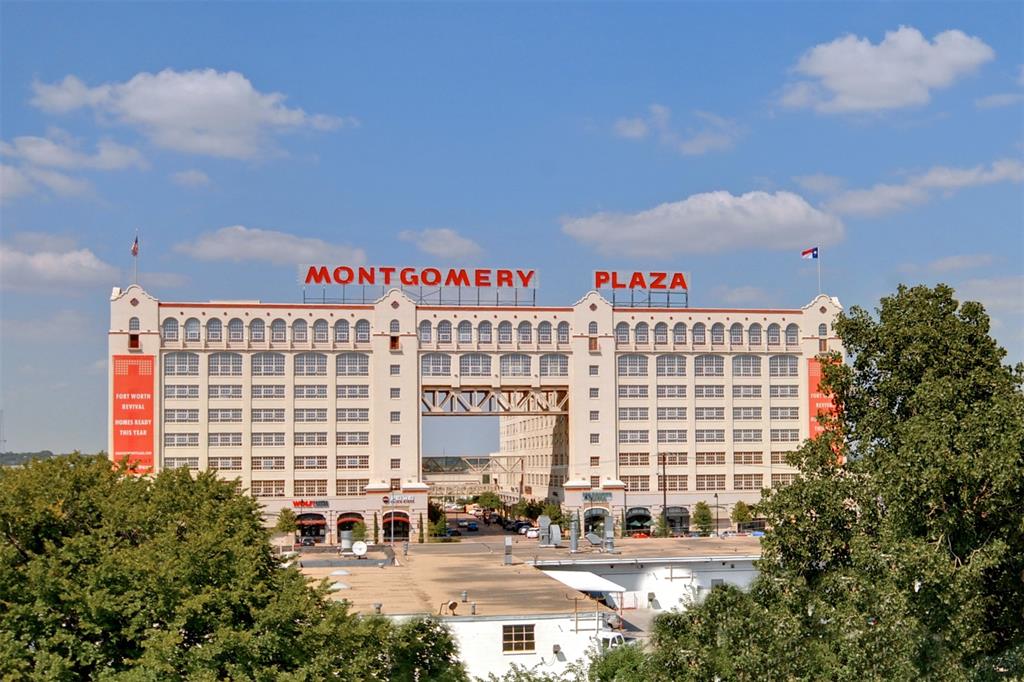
{"x": 394, "y": 327}
{"x": 169, "y": 329}
{"x": 444, "y": 331}
{"x": 353, "y": 365}
{"x": 718, "y": 333}
{"x": 475, "y": 365}
{"x": 592, "y": 329}
{"x": 736, "y": 333}
{"x": 746, "y": 366}
{"x": 436, "y": 365}
{"x": 709, "y": 366}
{"x": 783, "y": 366}
{"x": 425, "y": 331}
{"x": 661, "y": 333}
{"x": 698, "y": 333}
{"x": 268, "y": 365}
{"x": 236, "y": 329}
{"x": 774, "y": 334}
{"x": 299, "y": 330}
{"x": 679, "y": 333}
{"x": 544, "y": 332}
{"x": 278, "y": 330}
{"x": 671, "y": 366}
{"x": 483, "y": 332}
{"x": 554, "y": 365}
{"x": 505, "y": 332}
{"x": 792, "y": 335}
{"x": 191, "y": 329}
{"x": 525, "y": 332}
{"x": 257, "y": 330}
{"x": 515, "y": 365}
{"x": 341, "y": 331}
{"x": 310, "y": 365}
{"x": 632, "y": 365}
{"x": 622, "y": 332}
{"x": 754, "y": 334}
{"x": 822, "y": 329}
{"x": 320, "y": 331}
{"x": 362, "y": 331}
{"x": 465, "y": 331}
{"x": 640, "y": 332}
{"x": 133, "y": 324}
{"x": 562, "y": 332}
{"x": 225, "y": 365}
{"x": 181, "y": 365}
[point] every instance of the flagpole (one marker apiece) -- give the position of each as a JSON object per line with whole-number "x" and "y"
{"x": 819, "y": 271}
{"x": 135, "y": 257}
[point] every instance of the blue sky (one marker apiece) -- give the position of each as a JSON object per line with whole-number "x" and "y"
{"x": 719, "y": 139}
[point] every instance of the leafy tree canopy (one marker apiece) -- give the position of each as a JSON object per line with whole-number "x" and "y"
{"x": 489, "y": 500}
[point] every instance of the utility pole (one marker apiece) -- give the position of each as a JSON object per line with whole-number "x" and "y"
{"x": 716, "y": 514}
{"x": 664, "y": 496}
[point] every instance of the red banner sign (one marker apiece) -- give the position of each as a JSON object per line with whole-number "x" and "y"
{"x": 655, "y": 281}
{"x": 133, "y": 411}
{"x": 412, "y": 277}
{"x": 817, "y": 401}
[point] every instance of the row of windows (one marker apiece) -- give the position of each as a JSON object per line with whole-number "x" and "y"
{"x": 310, "y": 488}
{"x": 627, "y": 436}
{"x": 305, "y": 391}
{"x": 272, "y": 415}
{"x": 643, "y": 459}
{"x": 276, "y": 463}
{"x": 641, "y": 333}
{"x": 215, "y": 330}
{"x": 632, "y": 365}
{"x": 485, "y": 332}
{"x": 705, "y": 482}
{"x": 479, "y": 365}
{"x": 271, "y": 439}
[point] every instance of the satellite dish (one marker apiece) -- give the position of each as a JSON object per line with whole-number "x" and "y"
{"x": 452, "y": 605}
{"x": 337, "y": 587}
{"x": 359, "y": 548}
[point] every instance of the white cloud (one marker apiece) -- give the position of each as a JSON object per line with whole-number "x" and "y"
{"x": 13, "y": 183}
{"x": 201, "y": 112}
{"x": 442, "y": 242}
{"x": 161, "y": 280}
{"x": 739, "y": 295}
{"x": 34, "y": 242}
{"x": 1000, "y": 295}
{"x": 819, "y": 183}
{"x": 1003, "y": 99}
{"x": 59, "y": 183}
{"x": 57, "y": 327}
{"x": 190, "y": 178}
{"x": 850, "y": 74}
{"x": 713, "y": 133}
{"x": 961, "y": 262}
{"x": 45, "y": 152}
{"x": 709, "y": 222}
{"x": 240, "y": 243}
{"x": 885, "y": 198}
{"x": 68, "y": 270}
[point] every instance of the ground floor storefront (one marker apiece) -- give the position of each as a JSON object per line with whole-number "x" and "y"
{"x": 386, "y": 517}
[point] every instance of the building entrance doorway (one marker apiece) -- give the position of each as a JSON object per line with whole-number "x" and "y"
{"x": 396, "y": 526}
{"x": 312, "y": 526}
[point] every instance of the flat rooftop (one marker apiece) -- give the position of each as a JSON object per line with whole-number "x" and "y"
{"x": 434, "y": 573}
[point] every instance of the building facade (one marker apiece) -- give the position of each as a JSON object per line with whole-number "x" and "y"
{"x": 318, "y": 407}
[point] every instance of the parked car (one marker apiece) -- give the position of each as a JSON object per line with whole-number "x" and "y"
{"x": 472, "y": 525}
{"x": 308, "y": 542}
{"x": 523, "y": 530}
{"x": 454, "y": 532}
{"x": 532, "y": 533}
{"x": 463, "y": 523}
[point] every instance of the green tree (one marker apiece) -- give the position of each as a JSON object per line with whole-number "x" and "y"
{"x": 489, "y": 500}
{"x": 359, "y": 531}
{"x": 434, "y": 511}
{"x": 286, "y": 521}
{"x": 376, "y": 529}
{"x": 660, "y": 530}
{"x": 741, "y": 513}
{"x": 440, "y": 527}
{"x": 703, "y": 519}
{"x": 553, "y": 511}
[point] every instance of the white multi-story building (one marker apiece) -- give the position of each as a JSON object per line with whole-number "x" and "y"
{"x": 317, "y": 407}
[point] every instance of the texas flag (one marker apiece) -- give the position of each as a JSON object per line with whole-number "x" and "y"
{"x": 811, "y": 253}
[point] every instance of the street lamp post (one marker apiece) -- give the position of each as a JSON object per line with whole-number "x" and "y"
{"x": 716, "y": 514}
{"x": 664, "y": 497}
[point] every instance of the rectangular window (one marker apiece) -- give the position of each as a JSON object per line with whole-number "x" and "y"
{"x": 709, "y": 391}
{"x": 262, "y": 439}
{"x": 709, "y": 436}
{"x": 314, "y": 462}
{"x": 594, "y": 369}
{"x": 311, "y": 391}
{"x": 671, "y": 435}
{"x": 181, "y": 416}
{"x": 350, "y": 487}
{"x": 268, "y": 365}
{"x": 181, "y": 365}
{"x": 181, "y": 391}
{"x": 672, "y": 482}
{"x": 785, "y": 435}
{"x": 746, "y": 435}
{"x": 396, "y": 463}
{"x": 783, "y": 391}
{"x": 181, "y": 463}
{"x": 779, "y": 457}
{"x": 632, "y": 391}
{"x": 637, "y": 484}
{"x": 787, "y": 413}
{"x": 710, "y": 458}
{"x": 709, "y": 413}
{"x": 396, "y": 393}
{"x": 226, "y": 463}
{"x": 348, "y": 391}
{"x": 353, "y": 462}
{"x": 267, "y": 488}
{"x": 316, "y": 488}
{"x": 225, "y": 365}
{"x": 396, "y": 484}
{"x": 268, "y": 390}
{"x": 224, "y": 440}
{"x": 671, "y": 413}
{"x": 395, "y": 370}
{"x": 634, "y": 459}
{"x": 748, "y": 457}
{"x": 746, "y": 413}
{"x": 595, "y": 461}
{"x": 595, "y": 392}
{"x": 595, "y": 438}
{"x": 747, "y": 481}
{"x": 779, "y": 480}
{"x": 517, "y": 638}
{"x": 353, "y": 414}
{"x": 634, "y": 436}
{"x": 595, "y": 481}
{"x": 309, "y": 438}
{"x": 310, "y": 415}
{"x": 268, "y": 416}
{"x": 710, "y": 482}
{"x": 353, "y": 438}
{"x": 222, "y": 391}
{"x": 395, "y": 416}
{"x": 268, "y": 463}
{"x": 229, "y": 416}
{"x": 672, "y": 391}
{"x": 746, "y": 391}
{"x": 672, "y": 458}
{"x": 396, "y": 439}
{"x": 633, "y": 414}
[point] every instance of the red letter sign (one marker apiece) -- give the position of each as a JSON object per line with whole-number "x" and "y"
{"x": 133, "y": 411}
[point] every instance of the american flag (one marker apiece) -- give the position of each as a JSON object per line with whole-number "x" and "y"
{"x": 135, "y": 246}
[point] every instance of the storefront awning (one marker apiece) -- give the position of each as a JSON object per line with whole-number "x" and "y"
{"x": 585, "y": 581}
